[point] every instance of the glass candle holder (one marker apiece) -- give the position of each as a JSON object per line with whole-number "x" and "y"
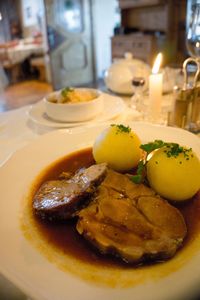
{"x": 137, "y": 102}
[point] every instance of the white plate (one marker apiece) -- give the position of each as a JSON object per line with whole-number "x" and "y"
{"x": 113, "y": 107}
{"x": 30, "y": 270}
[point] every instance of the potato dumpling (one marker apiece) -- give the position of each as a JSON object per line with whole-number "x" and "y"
{"x": 174, "y": 175}
{"x": 118, "y": 146}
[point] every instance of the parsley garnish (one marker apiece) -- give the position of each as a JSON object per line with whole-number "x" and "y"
{"x": 140, "y": 173}
{"x": 148, "y": 148}
{"x": 122, "y": 128}
{"x": 65, "y": 91}
{"x": 172, "y": 150}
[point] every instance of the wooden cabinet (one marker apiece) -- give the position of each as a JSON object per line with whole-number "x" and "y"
{"x": 138, "y": 3}
{"x": 159, "y": 26}
{"x": 140, "y": 45}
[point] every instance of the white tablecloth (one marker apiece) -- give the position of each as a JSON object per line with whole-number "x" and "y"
{"x": 16, "y": 130}
{"x": 20, "y": 52}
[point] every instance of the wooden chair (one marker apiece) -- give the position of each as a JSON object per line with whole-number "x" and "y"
{"x": 41, "y": 63}
{"x": 13, "y": 70}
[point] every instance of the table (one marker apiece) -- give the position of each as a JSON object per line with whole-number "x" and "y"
{"x": 19, "y": 53}
{"x": 12, "y": 57}
{"x": 16, "y": 130}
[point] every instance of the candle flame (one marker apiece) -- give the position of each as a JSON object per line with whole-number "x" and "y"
{"x": 157, "y": 63}
{"x": 197, "y": 44}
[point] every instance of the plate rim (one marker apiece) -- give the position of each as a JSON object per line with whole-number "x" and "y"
{"x": 79, "y": 130}
{"x": 59, "y": 125}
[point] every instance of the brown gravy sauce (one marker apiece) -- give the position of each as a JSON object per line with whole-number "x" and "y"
{"x": 64, "y": 236}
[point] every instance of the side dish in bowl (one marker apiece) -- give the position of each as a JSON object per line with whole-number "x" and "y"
{"x": 74, "y": 104}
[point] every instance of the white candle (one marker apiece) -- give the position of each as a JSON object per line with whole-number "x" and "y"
{"x": 155, "y": 91}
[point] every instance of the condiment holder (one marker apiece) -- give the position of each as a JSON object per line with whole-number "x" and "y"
{"x": 186, "y": 101}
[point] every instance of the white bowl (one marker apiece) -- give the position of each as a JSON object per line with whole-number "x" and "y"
{"x": 74, "y": 112}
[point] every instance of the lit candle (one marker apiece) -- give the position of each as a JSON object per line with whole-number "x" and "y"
{"x": 155, "y": 90}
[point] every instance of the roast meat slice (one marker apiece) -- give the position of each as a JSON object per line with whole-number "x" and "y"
{"x": 145, "y": 227}
{"x": 60, "y": 199}
{"x": 124, "y": 185}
